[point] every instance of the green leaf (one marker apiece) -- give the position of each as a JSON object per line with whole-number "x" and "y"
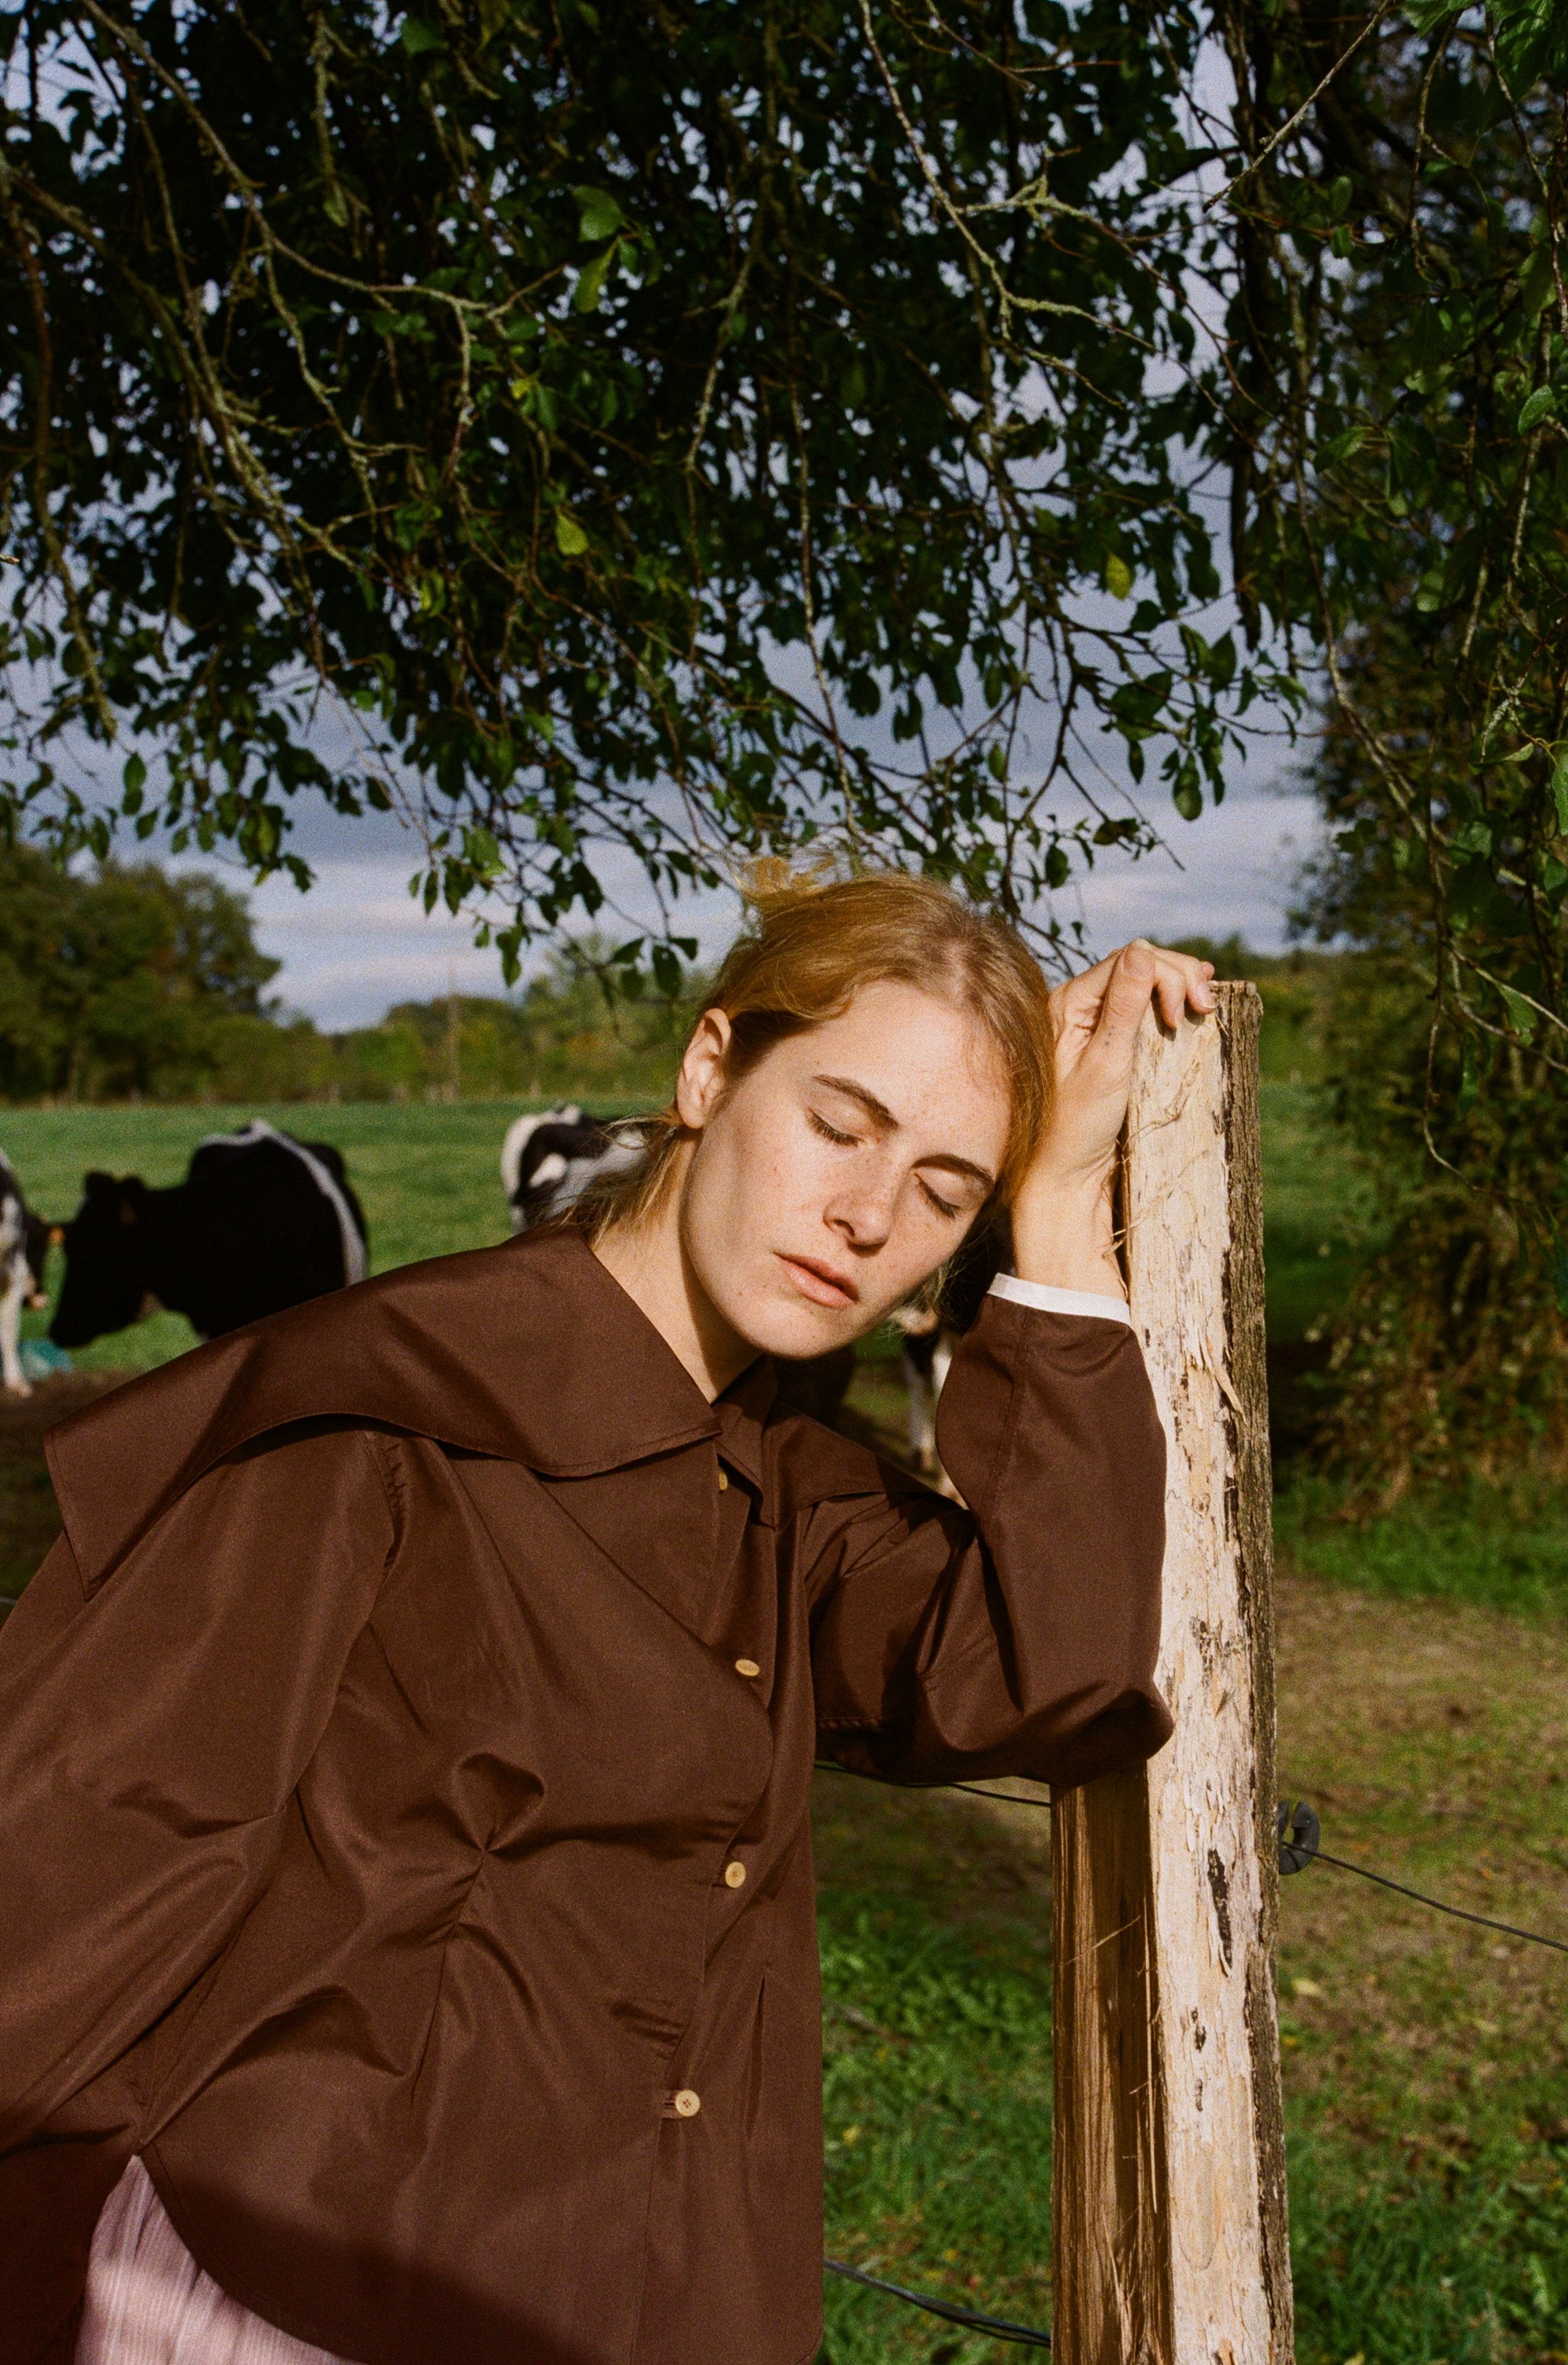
{"x": 483, "y": 854}
{"x": 134, "y": 774}
{"x": 1531, "y": 41}
{"x": 590, "y": 281}
{"x": 1520, "y": 1012}
{"x": 1560, "y": 790}
{"x": 1538, "y": 280}
{"x": 598, "y": 216}
{"x": 667, "y": 970}
{"x": 1118, "y": 577}
{"x": 570, "y": 539}
{"x": 1540, "y": 405}
{"x": 1188, "y": 800}
{"x": 417, "y": 36}
{"x": 1428, "y": 15}
{"x": 1339, "y": 194}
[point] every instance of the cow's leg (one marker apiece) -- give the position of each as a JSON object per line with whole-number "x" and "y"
{"x": 922, "y": 1414}
{"x": 18, "y": 1282}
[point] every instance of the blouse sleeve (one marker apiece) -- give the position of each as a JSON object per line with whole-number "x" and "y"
{"x": 152, "y": 1730}
{"x": 1018, "y": 1635}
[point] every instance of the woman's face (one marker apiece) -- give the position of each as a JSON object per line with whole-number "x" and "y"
{"x": 838, "y": 1175}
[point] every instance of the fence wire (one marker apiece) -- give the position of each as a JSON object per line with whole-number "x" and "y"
{"x": 1299, "y": 1846}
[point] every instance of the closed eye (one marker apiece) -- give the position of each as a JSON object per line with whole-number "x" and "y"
{"x": 831, "y": 1132}
{"x": 943, "y": 1207}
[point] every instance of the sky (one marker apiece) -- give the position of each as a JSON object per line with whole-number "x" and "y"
{"x": 357, "y": 942}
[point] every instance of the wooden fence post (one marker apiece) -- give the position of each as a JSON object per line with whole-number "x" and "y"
{"x": 1169, "y": 2192}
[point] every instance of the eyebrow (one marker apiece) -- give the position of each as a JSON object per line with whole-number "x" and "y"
{"x": 881, "y": 1115}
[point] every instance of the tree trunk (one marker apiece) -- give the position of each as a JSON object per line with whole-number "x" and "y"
{"x": 1169, "y": 2190}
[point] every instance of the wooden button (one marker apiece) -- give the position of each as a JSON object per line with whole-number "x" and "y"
{"x": 734, "y": 1875}
{"x": 723, "y": 1480}
{"x": 748, "y": 1668}
{"x": 687, "y": 2103}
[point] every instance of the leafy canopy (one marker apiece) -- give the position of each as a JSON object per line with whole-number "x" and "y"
{"x": 698, "y": 430}
{"x": 1401, "y": 491}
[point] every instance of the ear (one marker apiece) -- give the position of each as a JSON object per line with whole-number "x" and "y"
{"x": 132, "y": 1192}
{"x": 701, "y": 1084}
{"x": 97, "y": 1185}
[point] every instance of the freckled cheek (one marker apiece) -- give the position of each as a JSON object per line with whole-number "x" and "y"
{"x": 766, "y": 1188}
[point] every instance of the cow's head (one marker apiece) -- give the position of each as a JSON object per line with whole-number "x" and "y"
{"x": 105, "y": 1276}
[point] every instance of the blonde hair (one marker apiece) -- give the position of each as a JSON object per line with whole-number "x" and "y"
{"x": 810, "y": 947}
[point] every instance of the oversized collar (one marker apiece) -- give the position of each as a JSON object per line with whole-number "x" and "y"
{"x": 530, "y": 1352}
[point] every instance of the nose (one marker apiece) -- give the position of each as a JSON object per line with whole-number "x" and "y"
{"x": 861, "y": 1213}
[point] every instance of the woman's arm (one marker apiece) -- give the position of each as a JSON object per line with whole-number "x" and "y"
{"x": 1021, "y": 1636}
{"x": 1017, "y": 1635}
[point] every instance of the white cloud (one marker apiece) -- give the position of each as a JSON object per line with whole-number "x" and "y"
{"x": 358, "y": 942}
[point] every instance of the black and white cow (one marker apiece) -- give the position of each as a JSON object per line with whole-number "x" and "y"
{"x": 24, "y": 1244}
{"x": 548, "y": 1162}
{"x": 261, "y": 1221}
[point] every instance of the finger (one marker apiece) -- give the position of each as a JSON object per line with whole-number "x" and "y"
{"x": 1134, "y": 974}
{"x": 1182, "y": 985}
{"x": 1086, "y": 987}
{"x": 1180, "y": 989}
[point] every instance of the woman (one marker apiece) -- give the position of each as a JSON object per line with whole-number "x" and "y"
{"x": 406, "y": 1902}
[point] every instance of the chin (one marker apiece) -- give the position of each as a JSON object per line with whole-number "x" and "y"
{"x": 793, "y": 1329}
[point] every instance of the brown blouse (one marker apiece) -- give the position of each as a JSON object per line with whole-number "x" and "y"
{"x": 405, "y": 1758}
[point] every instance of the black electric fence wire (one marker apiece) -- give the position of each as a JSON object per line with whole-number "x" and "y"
{"x": 1024, "y": 2336}
{"x": 1299, "y": 1837}
{"x": 1483, "y": 1921}
{"x": 1298, "y": 1848}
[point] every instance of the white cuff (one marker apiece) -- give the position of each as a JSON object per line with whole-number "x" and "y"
{"x": 1046, "y": 1300}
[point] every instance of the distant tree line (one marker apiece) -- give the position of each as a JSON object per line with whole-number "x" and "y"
{"x": 130, "y": 982}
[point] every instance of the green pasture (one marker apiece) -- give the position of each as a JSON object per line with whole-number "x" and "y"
{"x": 428, "y": 1176}
{"x": 1423, "y": 1667}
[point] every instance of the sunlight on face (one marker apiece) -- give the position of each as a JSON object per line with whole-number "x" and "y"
{"x": 836, "y": 1176}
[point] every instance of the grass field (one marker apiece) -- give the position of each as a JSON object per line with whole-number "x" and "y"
{"x": 1426, "y": 2064}
{"x": 427, "y": 1175}
{"x": 1422, "y": 1709}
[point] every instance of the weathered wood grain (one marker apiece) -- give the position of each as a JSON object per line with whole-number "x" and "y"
{"x": 1169, "y": 2180}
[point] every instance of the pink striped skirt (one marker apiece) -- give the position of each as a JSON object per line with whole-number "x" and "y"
{"x": 150, "y": 2303}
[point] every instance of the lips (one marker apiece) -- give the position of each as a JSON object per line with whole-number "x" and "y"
{"x": 819, "y": 1282}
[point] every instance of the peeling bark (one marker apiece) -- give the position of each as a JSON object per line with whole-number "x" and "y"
{"x": 1168, "y": 2179}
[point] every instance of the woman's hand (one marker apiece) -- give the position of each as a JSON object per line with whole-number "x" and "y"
{"x": 1063, "y": 1227}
